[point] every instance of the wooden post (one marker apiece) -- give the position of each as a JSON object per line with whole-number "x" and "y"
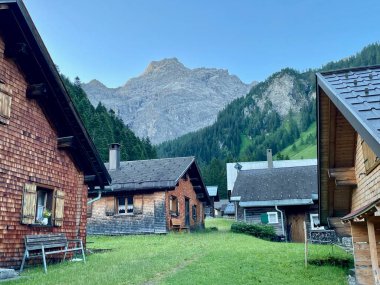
{"x": 306, "y": 249}
{"x": 373, "y": 251}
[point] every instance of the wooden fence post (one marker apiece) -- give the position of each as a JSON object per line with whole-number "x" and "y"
{"x": 306, "y": 249}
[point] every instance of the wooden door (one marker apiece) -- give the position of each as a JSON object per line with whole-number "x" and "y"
{"x": 295, "y": 224}
{"x": 187, "y": 212}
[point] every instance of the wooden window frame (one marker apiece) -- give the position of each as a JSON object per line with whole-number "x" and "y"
{"x": 194, "y": 212}
{"x": 48, "y": 199}
{"x": 269, "y": 217}
{"x": 173, "y": 200}
{"x": 126, "y": 198}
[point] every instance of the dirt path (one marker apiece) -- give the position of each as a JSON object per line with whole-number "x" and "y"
{"x": 163, "y": 275}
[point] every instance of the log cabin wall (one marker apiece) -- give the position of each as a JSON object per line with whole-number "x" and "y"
{"x": 150, "y": 218}
{"x": 185, "y": 190}
{"x": 368, "y": 184}
{"x": 29, "y": 154}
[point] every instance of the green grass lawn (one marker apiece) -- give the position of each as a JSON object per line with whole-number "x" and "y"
{"x": 212, "y": 257}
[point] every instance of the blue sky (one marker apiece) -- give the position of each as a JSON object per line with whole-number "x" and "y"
{"x": 114, "y": 41}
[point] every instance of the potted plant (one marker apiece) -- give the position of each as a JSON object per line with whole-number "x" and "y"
{"x": 46, "y": 214}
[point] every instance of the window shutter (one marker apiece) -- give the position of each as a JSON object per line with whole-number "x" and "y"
{"x": 29, "y": 204}
{"x": 110, "y": 206}
{"x": 89, "y": 210}
{"x": 264, "y": 218}
{"x": 59, "y": 197}
{"x": 370, "y": 158}
{"x": 138, "y": 204}
{"x": 5, "y": 107}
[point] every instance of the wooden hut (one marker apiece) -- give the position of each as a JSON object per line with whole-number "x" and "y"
{"x": 149, "y": 196}
{"x": 283, "y": 197}
{"x": 47, "y": 159}
{"x": 214, "y": 197}
{"x": 348, "y": 103}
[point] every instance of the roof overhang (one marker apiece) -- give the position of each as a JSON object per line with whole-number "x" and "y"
{"x": 356, "y": 121}
{"x": 288, "y": 202}
{"x": 371, "y": 209}
{"x": 18, "y": 29}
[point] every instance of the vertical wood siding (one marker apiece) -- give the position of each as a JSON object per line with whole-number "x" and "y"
{"x": 150, "y": 219}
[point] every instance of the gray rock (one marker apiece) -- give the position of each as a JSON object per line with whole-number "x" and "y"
{"x": 7, "y": 273}
{"x": 169, "y": 100}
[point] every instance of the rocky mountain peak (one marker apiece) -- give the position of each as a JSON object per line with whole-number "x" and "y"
{"x": 164, "y": 65}
{"x": 169, "y": 100}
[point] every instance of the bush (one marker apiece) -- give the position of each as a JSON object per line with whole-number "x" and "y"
{"x": 257, "y": 230}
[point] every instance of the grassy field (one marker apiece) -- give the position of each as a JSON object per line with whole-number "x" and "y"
{"x": 301, "y": 149}
{"x": 212, "y": 257}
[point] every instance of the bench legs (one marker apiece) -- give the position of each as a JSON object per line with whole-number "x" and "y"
{"x": 44, "y": 258}
{"x": 84, "y": 257}
{"x": 64, "y": 256}
{"x": 23, "y": 261}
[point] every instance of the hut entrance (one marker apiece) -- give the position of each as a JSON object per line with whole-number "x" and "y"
{"x": 295, "y": 222}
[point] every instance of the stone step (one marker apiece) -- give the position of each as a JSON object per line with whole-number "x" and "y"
{"x": 7, "y": 273}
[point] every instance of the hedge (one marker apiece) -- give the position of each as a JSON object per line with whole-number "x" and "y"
{"x": 257, "y": 230}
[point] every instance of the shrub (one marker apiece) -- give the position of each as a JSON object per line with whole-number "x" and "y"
{"x": 257, "y": 230}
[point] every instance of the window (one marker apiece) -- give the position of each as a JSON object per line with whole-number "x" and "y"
{"x": 370, "y": 158}
{"x": 194, "y": 212}
{"x": 272, "y": 218}
{"x": 315, "y": 223}
{"x": 44, "y": 206}
{"x": 173, "y": 205}
{"x": 125, "y": 205}
{"x": 37, "y": 205}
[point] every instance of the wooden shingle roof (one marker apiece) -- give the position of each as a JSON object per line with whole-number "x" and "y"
{"x": 356, "y": 93}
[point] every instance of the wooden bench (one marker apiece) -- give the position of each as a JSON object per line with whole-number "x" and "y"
{"x": 43, "y": 245}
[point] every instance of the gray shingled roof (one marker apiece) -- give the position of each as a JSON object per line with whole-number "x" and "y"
{"x": 229, "y": 209}
{"x": 150, "y": 174}
{"x": 356, "y": 93}
{"x": 281, "y": 186}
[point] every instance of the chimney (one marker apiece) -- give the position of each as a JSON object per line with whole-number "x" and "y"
{"x": 269, "y": 158}
{"x": 114, "y": 156}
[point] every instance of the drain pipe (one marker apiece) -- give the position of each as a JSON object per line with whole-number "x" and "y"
{"x": 282, "y": 221}
{"x": 96, "y": 198}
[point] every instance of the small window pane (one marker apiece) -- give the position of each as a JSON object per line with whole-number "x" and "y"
{"x": 130, "y": 205}
{"x": 121, "y": 205}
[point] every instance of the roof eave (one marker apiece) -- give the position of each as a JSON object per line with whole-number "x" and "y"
{"x": 268, "y": 203}
{"x": 357, "y": 123}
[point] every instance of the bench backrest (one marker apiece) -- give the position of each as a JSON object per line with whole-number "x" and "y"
{"x": 34, "y": 242}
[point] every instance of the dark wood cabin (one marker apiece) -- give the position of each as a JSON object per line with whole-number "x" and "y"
{"x": 47, "y": 160}
{"x": 283, "y": 197}
{"x": 149, "y": 196}
{"x": 348, "y": 155}
{"x": 214, "y": 197}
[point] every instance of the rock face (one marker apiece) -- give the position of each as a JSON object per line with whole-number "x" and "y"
{"x": 169, "y": 100}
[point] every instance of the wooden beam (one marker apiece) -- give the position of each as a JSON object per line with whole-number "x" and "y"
{"x": 342, "y": 172}
{"x": 36, "y": 91}
{"x": 192, "y": 180}
{"x": 345, "y": 182}
{"x": 200, "y": 195}
{"x": 373, "y": 251}
{"x": 89, "y": 178}
{"x": 66, "y": 142}
{"x": 331, "y": 153}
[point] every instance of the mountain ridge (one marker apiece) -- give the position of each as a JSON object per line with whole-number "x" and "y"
{"x": 168, "y": 99}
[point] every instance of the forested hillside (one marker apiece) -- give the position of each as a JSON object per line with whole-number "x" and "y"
{"x": 249, "y": 125}
{"x": 105, "y": 127}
